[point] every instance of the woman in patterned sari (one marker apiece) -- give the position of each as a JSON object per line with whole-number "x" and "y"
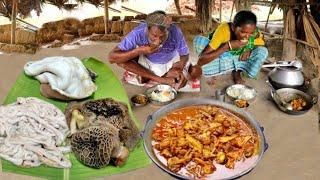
{"x": 235, "y": 46}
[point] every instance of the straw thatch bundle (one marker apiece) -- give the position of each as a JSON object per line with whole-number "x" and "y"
{"x": 55, "y": 30}
{"x": 105, "y": 37}
{"x": 92, "y": 25}
{"x": 22, "y": 36}
{"x": 19, "y": 48}
{"x": 117, "y": 27}
{"x": 312, "y": 35}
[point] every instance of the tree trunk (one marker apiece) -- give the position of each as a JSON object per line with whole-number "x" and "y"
{"x": 242, "y": 5}
{"x": 176, "y": 2}
{"x": 203, "y": 13}
{"x": 106, "y": 16}
{"x": 289, "y": 46}
{"x": 14, "y": 21}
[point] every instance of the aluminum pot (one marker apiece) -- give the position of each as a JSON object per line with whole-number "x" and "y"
{"x": 156, "y": 116}
{"x": 286, "y": 77}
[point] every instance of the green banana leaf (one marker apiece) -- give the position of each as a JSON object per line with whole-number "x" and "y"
{"x": 108, "y": 86}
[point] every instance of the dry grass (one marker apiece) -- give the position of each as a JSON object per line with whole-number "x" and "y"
{"x": 105, "y": 37}
{"x": 22, "y": 36}
{"x": 19, "y": 48}
{"x": 312, "y": 36}
{"x": 55, "y": 30}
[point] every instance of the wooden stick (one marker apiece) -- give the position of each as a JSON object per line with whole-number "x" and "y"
{"x": 279, "y": 36}
{"x": 106, "y": 16}
{"x": 233, "y": 4}
{"x": 14, "y": 21}
{"x": 220, "y": 7}
{"x": 115, "y": 10}
{"x": 266, "y": 25}
{"x": 283, "y": 3}
{"x": 190, "y": 8}
{"x": 176, "y": 2}
{"x": 132, "y": 10}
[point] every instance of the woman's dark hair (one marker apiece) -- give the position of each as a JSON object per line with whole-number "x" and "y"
{"x": 244, "y": 17}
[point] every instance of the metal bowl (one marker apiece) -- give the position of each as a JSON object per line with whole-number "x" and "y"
{"x": 241, "y": 89}
{"x": 288, "y": 94}
{"x": 156, "y": 116}
{"x": 135, "y": 101}
{"x": 160, "y": 88}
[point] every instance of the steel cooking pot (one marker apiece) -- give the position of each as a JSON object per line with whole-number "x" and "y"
{"x": 286, "y": 77}
{"x": 156, "y": 116}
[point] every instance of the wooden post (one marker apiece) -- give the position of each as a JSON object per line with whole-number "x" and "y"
{"x": 13, "y": 21}
{"x": 220, "y": 7}
{"x": 176, "y": 2}
{"x": 106, "y": 16}
{"x": 233, "y": 4}
{"x": 289, "y": 47}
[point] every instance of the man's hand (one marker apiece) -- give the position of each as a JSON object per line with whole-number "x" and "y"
{"x": 245, "y": 56}
{"x": 195, "y": 72}
{"x": 177, "y": 74}
{"x": 148, "y": 49}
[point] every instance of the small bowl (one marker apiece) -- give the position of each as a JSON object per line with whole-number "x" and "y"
{"x": 159, "y": 88}
{"x": 139, "y": 100}
{"x": 240, "y": 103}
{"x": 241, "y": 88}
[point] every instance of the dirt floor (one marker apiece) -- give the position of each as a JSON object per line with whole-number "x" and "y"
{"x": 294, "y": 141}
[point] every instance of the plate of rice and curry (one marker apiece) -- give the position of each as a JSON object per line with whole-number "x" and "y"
{"x": 204, "y": 139}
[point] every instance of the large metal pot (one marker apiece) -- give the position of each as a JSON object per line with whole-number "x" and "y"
{"x": 156, "y": 116}
{"x": 286, "y": 77}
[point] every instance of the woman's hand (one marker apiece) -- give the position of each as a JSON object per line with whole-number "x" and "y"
{"x": 245, "y": 56}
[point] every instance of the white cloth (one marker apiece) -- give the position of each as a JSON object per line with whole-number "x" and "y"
{"x": 158, "y": 69}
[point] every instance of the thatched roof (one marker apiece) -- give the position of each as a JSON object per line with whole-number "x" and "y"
{"x": 26, "y": 6}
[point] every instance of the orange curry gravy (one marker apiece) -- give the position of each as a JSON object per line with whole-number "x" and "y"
{"x": 197, "y": 137}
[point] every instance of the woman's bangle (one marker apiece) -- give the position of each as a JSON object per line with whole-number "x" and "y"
{"x": 229, "y": 44}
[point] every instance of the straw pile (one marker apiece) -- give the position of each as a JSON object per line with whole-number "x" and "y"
{"x": 55, "y": 30}
{"x": 116, "y": 27}
{"x": 22, "y": 36}
{"x": 105, "y": 37}
{"x": 92, "y": 25}
{"x": 19, "y": 48}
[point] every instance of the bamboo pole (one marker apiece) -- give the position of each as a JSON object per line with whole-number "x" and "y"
{"x": 106, "y": 16}
{"x": 279, "y": 36}
{"x": 220, "y": 7}
{"x": 289, "y": 47}
{"x": 266, "y": 25}
{"x": 233, "y": 4}
{"x": 14, "y": 21}
{"x": 190, "y": 8}
{"x": 176, "y": 2}
{"x": 131, "y": 10}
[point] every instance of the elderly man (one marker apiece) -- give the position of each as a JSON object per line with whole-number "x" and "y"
{"x": 155, "y": 50}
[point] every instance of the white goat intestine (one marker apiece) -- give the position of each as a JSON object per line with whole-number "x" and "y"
{"x": 67, "y": 75}
{"x": 31, "y": 132}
